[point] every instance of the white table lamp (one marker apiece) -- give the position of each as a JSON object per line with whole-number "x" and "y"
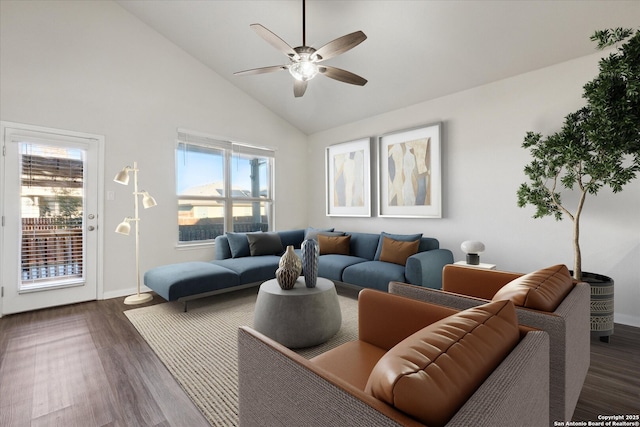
{"x": 473, "y": 249}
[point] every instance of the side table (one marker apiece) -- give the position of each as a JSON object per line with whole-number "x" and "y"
{"x": 481, "y": 265}
{"x": 298, "y": 317}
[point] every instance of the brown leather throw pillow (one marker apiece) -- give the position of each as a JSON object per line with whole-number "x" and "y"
{"x": 397, "y": 251}
{"x": 334, "y": 244}
{"x": 542, "y": 290}
{"x": 432, "y": 373}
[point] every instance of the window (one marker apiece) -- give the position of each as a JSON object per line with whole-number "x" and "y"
{"x": 52, "y": 202}
{"x": 222, "y": 186}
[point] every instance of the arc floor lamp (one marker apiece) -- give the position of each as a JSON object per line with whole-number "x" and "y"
{"x": 125, "y": 226}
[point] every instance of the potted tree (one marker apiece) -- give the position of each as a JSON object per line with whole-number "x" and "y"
{"x": 597, "y": 146}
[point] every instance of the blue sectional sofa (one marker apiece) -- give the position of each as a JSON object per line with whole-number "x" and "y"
{"x": 248, "y": 259}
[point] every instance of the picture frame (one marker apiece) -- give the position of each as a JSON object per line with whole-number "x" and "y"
{"x": 348, "y": 178}
{"x": 409, "y": 173}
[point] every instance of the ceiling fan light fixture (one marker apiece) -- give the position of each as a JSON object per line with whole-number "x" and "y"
{"x": 304, "y": 69}
{"x": 304, "y": 59}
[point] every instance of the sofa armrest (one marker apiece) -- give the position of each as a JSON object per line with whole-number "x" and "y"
{"x": 425, "y": 268}
{"x": 475, "y": 282}
{"x": 276, "y": 386}
{"x": 222, "y": 248}
{"x": 384, "y": 319}
{"x": 570, "y": 337}
{"x": 516, "y": 393}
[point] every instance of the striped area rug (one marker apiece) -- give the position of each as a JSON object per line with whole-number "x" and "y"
{"x": 199, "y": 347}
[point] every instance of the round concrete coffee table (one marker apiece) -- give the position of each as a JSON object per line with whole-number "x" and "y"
{"x": 299, "y": 317}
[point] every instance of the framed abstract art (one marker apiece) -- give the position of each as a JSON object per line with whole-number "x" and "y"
{"x": 409, "y": 178}
{"x": 348, "y": 173}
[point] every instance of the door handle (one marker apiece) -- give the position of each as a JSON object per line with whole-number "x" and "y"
{"x": 91, "y": 228}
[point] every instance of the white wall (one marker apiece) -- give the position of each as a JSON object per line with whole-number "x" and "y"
{"x": 482, "y": 169}
{"x": 90, "y": 66}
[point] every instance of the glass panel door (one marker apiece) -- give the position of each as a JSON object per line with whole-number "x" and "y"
{"x": 50, "y": 239}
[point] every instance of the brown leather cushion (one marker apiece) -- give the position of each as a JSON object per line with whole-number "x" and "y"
{"x": 351, "y": 362}
{"x": 397, "y": 251}
{"x": 334, "y": 244}
{"x": 474, "y": 282}
{"x": 541, "y": 290}
{"x": 432, "y": 373}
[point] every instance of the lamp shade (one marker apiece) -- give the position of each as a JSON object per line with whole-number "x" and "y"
{"x": 472, "y": 247}
{"x": 124, "y": 227}
{"x": 123, "y": 176}
{"x": 147, "y": 200}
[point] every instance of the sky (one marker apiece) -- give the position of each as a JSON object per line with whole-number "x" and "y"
{"x": 198, "y": 168}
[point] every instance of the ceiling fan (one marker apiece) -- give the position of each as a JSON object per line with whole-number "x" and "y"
{"x": 305, "y": 61}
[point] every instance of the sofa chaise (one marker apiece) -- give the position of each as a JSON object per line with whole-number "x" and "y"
{"x": 413, "y": 364}
{"x": 365, "y": 260}
{"x": 547, "y": 299}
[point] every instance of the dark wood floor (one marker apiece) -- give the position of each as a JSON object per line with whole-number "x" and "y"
{"x": 612, "y": 386}
{"x": 86, "y": 365}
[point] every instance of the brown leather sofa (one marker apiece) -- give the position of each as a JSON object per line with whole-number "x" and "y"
{"x": 413, "y": 364}
{"x": 547, "y": 299}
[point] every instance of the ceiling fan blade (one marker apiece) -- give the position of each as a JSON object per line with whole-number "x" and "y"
{"x": 299, "y": 87}
{"x": 274, "y": 40}
{"x": 262, "y": 70}
{"x": 340, "y": 45}
{"x": 342, "y": 75}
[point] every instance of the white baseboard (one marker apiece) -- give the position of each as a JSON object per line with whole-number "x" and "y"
{"x": 626, "y": 319}
{"x": 124, "y": 292}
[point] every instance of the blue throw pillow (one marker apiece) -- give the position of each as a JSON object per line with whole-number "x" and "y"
{"x": 400, "y": 237}
{"x": 238, "y": 244}
{"x": 312, "y": 233}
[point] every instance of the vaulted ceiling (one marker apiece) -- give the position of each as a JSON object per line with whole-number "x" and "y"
{"x": 415, "y": 50}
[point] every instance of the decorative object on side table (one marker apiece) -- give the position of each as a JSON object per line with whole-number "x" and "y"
{"x": 473, "y": 249}
{"x": 310, "y": 253}
{"x": 290, "y": 269}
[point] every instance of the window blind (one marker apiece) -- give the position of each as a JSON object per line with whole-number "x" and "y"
{"x": 52, "y": 206}
{"x": 196, "y": 138}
